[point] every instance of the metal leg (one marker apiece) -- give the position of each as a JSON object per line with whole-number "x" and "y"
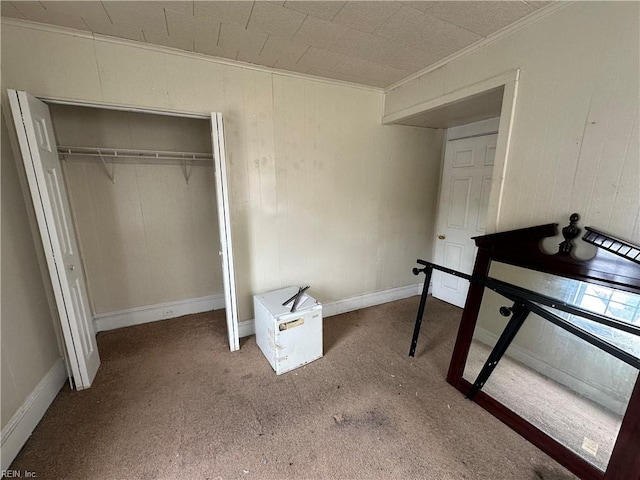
{"x": 423, "y": 299}
{"x": 519, "y": 314}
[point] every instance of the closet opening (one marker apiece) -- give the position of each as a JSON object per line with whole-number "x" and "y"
{"x": 132, "y": 208}
{"x": 142, "y": 193}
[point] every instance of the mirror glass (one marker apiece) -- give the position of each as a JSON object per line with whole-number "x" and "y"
{"x": 567, "y": 388}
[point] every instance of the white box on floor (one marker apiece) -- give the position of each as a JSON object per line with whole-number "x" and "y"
{"x": 288, "y": 340}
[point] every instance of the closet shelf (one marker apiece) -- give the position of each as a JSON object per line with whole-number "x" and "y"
{"x": 121, "y": 155}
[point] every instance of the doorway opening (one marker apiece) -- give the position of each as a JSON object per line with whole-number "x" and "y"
{"x": 124, "y": 202}
{"x": 479, "y": 119}
{"x": 142, "y": 195}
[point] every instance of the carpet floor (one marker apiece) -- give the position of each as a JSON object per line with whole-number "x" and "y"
{"x": 554, "y": 408}
{"x": 171, "y": 402}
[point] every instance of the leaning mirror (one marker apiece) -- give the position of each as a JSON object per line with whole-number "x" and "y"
{"x": 565, "y": 386}
{"x": 550, "y": 345}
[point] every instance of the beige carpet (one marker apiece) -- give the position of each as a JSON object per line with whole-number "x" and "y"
{"x": 555, "y": 409}
{"x": 171, "y": 402}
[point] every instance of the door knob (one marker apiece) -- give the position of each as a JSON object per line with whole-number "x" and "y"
{"x": 442, "y": 236}
{"x": 72, "y": 267}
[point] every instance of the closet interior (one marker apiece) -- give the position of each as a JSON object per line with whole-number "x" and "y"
{"x": 143, "y": 198}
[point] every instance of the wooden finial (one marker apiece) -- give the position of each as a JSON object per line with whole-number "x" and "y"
{"x": 569, "y": 232}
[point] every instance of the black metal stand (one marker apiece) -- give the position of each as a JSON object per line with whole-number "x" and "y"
{"x": 525, "y": 302}
{"x": 519, "y": 314}
{"x": 428, "y": 270}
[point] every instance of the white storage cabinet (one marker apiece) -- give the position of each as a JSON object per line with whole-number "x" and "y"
{"x": 288, "y": 340}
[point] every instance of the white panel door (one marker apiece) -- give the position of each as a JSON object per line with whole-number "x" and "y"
{"x": 462, "y": 212}
{"x": 51, "y": 204}
{"x": 224, "y": 221}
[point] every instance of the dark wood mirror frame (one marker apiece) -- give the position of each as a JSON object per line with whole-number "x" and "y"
{"x": 522, "y": 248}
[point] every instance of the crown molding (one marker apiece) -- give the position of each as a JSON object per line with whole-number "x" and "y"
{"x": 45, "y": 27}
{"x": 494, "y": 37}
{"x": 182, "y": 53}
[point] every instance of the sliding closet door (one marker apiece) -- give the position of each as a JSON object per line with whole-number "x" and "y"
{"x": 51, "y": 204}
{"x": 226, "y": 245}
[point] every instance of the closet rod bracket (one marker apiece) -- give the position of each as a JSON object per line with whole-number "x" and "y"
{"x": 110, "y": 172}
{"x": 187, "y": 166}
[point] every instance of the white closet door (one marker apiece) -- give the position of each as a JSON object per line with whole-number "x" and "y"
{"x": 226, "y": 245}
{"x": 462, "y": 212}
{"x": 51, "y": 204}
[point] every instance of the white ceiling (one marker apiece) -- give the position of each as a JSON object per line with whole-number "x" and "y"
{"x": 373, "y": 43}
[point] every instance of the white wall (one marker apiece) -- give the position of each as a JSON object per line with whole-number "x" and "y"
{"x": 321, "y": 192}
{"x": 98, "y": 127}
{"x": 575, "y": 138}
{"x": 29, "y": 345}
{"x": 148, "y": 237}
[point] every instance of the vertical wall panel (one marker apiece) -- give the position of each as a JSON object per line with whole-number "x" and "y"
{"x": 408, "y": 203}
{"x": 112, "y": 237}
{"x": 602, "y": 108}
{"x": 78, "y": 79}
{"x": 338, "y": 174}
{"x": 265, "y": 199}
{"x": 620, "y": 129}
{"x": 205, "y": 242}
{"x": 169, "y": 207}
{"x": 628, "y": 191}
{"x": 294, "y": 215}
{"x": 147, "y": 238}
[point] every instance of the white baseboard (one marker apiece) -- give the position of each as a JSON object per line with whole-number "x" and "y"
{"x": 329, "y": 309}
{"x": 246, "y": 328}
{"x": 369, "y": 300}
{"x": 531, "y": 360}
{"x": 19, "y": 428}
{"x": 153, "y": 313}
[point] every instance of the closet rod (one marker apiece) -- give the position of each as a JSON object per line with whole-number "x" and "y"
{"x": 115, "y": 153}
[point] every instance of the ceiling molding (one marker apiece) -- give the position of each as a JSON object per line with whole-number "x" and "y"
{"x": 505, "y": 32}
{"x": 45, "y": 27}
{"x": 183, "y": 53}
